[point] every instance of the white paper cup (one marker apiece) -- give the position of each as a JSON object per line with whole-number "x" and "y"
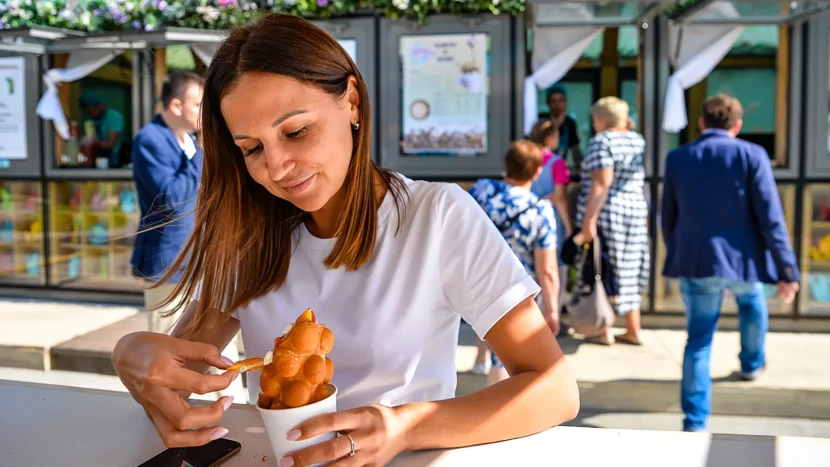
{"x": 279, "y": 422}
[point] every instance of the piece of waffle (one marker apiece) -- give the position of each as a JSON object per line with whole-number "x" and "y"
{"x": 296, "y": 372}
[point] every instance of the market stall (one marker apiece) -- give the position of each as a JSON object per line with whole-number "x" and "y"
{"x": 22, "y": 216}
{"x": 100, "y": 90}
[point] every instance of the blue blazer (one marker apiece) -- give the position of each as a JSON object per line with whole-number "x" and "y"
{"x": 721, "y": 214}
{"x": 166, "y": 182}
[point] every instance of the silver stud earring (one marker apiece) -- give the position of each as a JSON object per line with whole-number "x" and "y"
{"x": 355, "y": 125}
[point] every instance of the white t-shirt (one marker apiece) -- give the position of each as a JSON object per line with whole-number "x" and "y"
{"x": 396, "y": 319}
{"x": 188, "y": 146}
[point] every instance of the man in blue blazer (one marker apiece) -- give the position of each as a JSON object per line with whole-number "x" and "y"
{"x": 724, "y": 229}
{"x": 167, "y": 164}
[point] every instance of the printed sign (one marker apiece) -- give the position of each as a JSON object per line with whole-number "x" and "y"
{"x": 445, "y": 88}
{"x": 351, "y": 47}
{"x": 13, "y": 108}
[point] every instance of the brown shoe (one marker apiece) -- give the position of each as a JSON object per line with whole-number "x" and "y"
{"x": 602, "y": 339}
{"x": 628, "y": 339}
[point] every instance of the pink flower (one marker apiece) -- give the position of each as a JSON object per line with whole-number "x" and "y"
{"x": 226, "y": 2}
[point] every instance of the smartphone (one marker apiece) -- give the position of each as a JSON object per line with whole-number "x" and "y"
{"x": 212, "y": 454}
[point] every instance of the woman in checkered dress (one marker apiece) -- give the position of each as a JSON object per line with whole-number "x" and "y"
{"x": 612, "y": 201}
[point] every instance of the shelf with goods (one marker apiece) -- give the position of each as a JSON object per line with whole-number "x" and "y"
{"x": 667, "y": 291}
{"x": 92, "y": 232}
{"x": 815, "y": 251}
{"x": 21, "y": 233}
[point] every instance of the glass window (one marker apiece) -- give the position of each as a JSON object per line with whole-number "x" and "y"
{"x": 815, "y": 264}
{"x": 93, "y": 226}
{"x": 99, "y": 111}
{"x": 585, "y": 83}
{"x": 445, "y": 88}
{"x": 667, "y": 291}
{"x": 21, "y": 233}
{"x": 756, "y": 72}
{"x": 751, "y": 72}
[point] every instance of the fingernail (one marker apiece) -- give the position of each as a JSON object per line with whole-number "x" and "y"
{"x": 236, "y": 376}
{"x": 293, "y": 435}
{"x": 285, "y": 462}
{"x": 227, "y": 360}
{"x": 218, "y": 434}
{"x": 228, "y": 402}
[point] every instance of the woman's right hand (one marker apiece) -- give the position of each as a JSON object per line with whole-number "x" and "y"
{"x": 156, "y": 369}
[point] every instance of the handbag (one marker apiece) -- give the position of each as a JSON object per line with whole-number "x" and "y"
{"x": 591, "y": 311}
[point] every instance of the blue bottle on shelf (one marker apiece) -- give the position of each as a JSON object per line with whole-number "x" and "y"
{"x": 33, "y": 264}
{"x": 127, "y": 202}
{"x": 6, "y": 232}
{"x": 73, "y": 268}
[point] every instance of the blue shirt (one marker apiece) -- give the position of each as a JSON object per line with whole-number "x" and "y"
{"x": 721, "y": 215}
{"x": 534, "y": 229}
{"x": 166, "y": 181}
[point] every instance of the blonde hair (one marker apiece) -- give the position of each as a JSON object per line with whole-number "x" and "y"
{"x": 612, "y": 111}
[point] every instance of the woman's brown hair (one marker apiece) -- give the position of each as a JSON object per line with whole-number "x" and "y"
{"x": 542, "y": 130}
{"x": 241, "y": 244}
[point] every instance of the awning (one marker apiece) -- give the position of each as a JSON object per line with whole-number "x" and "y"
{"x": 751, "y": 12}
{"x": 139, "y": 40}
{"x": 602, "y": 13}
{"x": 33, "y": 39}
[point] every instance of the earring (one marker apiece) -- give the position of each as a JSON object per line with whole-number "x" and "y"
{"x": 355, "y": 125}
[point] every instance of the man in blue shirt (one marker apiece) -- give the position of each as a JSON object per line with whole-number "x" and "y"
{"x": 724, "y": 229}
{"x": 109, "y": 127}
{"x": 167, "y": 164}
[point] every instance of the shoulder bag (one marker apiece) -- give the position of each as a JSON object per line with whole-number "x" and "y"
{"x": 591, "y": 311}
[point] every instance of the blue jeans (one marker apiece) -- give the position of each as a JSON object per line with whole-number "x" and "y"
{"x": 703, "y": 299}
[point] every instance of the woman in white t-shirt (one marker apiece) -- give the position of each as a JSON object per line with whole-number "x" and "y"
{"x": 292, "y": 213}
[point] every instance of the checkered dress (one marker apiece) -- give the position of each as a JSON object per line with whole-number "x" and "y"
{"x": 623, "y": 220}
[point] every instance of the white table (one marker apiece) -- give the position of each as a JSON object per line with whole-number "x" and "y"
{"x": 48, "y": 426}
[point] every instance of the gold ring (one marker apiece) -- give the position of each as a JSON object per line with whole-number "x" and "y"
{"x": 351, "y": 441}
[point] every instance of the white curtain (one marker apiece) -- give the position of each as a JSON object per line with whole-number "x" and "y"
{"x": 695, "y": 50}
{"x": 79, "y": 65}
{"x": 205, "y": 52}
{"x": 555, "y": 50}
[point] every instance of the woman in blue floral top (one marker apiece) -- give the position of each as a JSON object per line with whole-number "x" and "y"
{"x": 527, "y": 224}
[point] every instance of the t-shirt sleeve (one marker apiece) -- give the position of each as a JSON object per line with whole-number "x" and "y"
{"x": 598, "y": 156}
{"x": 546, "y": 227}
{"x": 482, "y": 278}
{"x": 561, "y": 174}
{"x": 115, "y": 122}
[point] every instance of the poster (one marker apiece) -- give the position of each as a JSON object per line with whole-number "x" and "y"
{"x": 350, "y": 45}
{"x": 445, "y": 86}
{"x": 13, "y": 108}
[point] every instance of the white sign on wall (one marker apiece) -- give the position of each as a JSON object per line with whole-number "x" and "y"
{"x": 350, "y": 45}
{"x": 13, "y": 108}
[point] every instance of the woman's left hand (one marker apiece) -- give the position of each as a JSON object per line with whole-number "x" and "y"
{"x": 378, "y": 433}
{"x": 589, "y": 232}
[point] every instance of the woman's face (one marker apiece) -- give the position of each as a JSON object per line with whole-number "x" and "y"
{"x": 552, "y": 141}
{"x": 295, "y": 138}
{"x": 598, "y": 124}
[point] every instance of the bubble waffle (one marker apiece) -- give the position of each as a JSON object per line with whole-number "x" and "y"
{"x": 296, "y": 371}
